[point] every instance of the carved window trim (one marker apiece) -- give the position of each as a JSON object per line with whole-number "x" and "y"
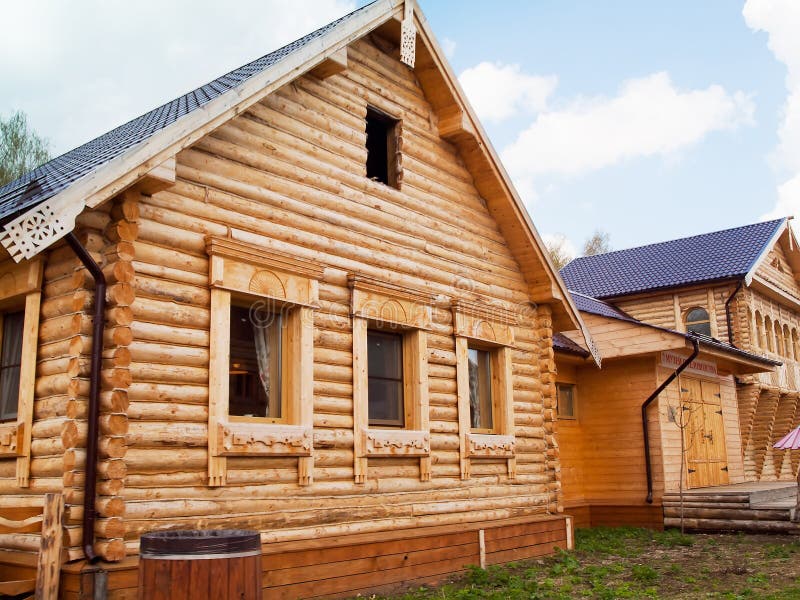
{"x": 238, "y": 269}
{"x": 21, "y": 285}
{"x": 376, "y": 304}
{"x": 488, "y": 327}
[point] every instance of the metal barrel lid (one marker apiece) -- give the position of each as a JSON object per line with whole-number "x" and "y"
{"x": 204, "y": 543}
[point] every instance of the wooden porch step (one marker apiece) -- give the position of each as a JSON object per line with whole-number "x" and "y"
{"x": 695, "y": 504}
{"x": 729, "y": 514}
{"x": 735, "y": 498}
{"x": 693, "y": 524}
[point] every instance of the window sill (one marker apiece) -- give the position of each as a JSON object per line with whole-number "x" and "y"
{"x": 490, "y": 445}
{"x": 396, "y": 442}
{"x": 264, "y": 439}
{"x": 10, "y": 439}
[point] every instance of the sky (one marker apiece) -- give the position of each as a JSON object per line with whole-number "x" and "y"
{"x": 645, "y": 120}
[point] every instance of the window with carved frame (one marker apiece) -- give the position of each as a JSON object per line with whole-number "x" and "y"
{"x": 20, "y": 302}
{"x": 484, "y": 345}
{"x": 261, "y": 355}
{"x": 390, "y": 373}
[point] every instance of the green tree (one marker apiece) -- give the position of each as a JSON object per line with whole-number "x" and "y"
{"x": 597, "y": 243}
{"x": 21, "y": 148}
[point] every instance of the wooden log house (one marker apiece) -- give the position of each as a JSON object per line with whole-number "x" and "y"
{"x": 322, "y": 313}
{"x": 735, "y": 291}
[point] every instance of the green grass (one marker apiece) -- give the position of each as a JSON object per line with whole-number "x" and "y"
{"x": 608, "y": 564}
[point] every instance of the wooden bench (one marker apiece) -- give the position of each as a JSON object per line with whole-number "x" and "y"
{"x": 16, "y": 526}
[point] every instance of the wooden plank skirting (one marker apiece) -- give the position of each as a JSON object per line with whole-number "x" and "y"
{"x": 344, "y": 566}
{"x": 617, "y": 515}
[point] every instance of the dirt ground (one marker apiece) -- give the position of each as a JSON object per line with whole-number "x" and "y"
{"x": 640, "y": 563}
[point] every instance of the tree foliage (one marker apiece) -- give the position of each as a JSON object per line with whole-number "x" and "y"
{"x": 558, "y": 248}
{"x": 21, "y": 148}
{"x": 597, "y": 243}
{"x": 561, "y": 251}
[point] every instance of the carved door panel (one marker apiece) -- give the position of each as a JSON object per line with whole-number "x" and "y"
{"x": 704, "y": 433}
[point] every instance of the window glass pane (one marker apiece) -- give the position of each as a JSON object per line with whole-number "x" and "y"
{"x": 385, "y": 401}
{"x": 255, "y": 364}
{"x": 697, "y": 321}
{"x": 385, "y": 354}
{"x": 385, "y": 374}
{"x": 566, "y": 400}
{"x": 480, "y": 389}
{"x": 10, "y": 358}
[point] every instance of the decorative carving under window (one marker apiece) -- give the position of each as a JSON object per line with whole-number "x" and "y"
{"x": 484, "y": 321}
{"x": 10, "y": 439}
{"x": 397, "y": 442}
{"x": 490, "y": 445}
{"x": 408, "y": 36}
{"x": 38, "y": 228}
{"x": 386, "y": 303}
{"x": 256, "y": 439}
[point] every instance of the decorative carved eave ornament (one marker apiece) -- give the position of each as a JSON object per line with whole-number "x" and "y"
{"x": 35, "y": 230}
{"x": 408, "y": 36}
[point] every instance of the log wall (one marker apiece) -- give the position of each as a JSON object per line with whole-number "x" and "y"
{"x": 289, "y": 175}
{"x": 668, "y": 309}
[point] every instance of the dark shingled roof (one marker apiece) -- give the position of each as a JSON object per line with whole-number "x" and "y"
{"x": 562, "y": 343}
{"x": 598, "y": 307}
{"x": 726, "y": 254}
{"x": 52, "y": 177}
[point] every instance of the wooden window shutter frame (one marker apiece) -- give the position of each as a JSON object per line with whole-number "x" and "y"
{"x": 490, "y": 327}
{"x": 292, "y": 284}
{"x": 379, "y": 304}
{"x": 22, "y": 283}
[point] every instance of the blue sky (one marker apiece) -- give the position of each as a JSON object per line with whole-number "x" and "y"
{"x": 723, "y": 179}
{"x": 648, "y": 120}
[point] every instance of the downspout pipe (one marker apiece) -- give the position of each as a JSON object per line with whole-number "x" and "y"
{"x": 647, "y": 403}
{"x": 98, "y": 324}
{"x": 728, "y": 318}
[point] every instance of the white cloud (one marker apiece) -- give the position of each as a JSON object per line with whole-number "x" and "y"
{"x": 449, "y": 47}
{"x": 498, "y": 91}
{"x": 780, "y": 19}
{"x": 81, "y": 68}
{"x": 648, "y": 117}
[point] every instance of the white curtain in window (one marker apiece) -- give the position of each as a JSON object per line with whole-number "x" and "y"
{"x": 261, "y": 333}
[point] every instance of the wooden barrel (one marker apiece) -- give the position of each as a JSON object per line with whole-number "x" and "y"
{"x": 224, "y": 564}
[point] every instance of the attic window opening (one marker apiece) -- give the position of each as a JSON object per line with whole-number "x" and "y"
{"x": 697, "y": 321}
{"x": 381, "y": 147}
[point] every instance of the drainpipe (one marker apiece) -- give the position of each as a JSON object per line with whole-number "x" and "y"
{"x": 728, "y": 318}
{"x": 90, "y": 487}
{"x": 647, "y": 402}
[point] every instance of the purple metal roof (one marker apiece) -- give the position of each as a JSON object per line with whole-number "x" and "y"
{"x": 594, "y": 306}
{"x": 52, "y": 177}
{"x": 562, "y": 343}
{"x": 726, "y": 254}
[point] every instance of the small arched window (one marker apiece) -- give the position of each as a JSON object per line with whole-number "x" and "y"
{"x": 768, "y": 333}
{"x": 697, "y": 321}
{"x": 795, "y": 351}
{"x": 779, "y": 345}
{"x": 759, "y": 330}
{"x": 787, "y": 342}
